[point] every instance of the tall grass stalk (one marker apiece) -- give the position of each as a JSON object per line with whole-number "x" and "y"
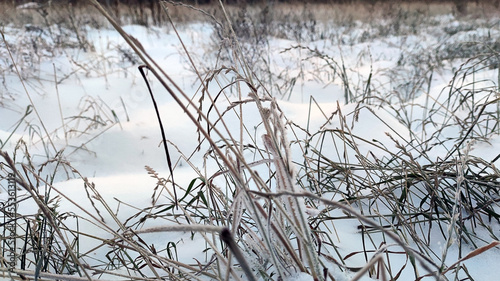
{"x": 268, "y": 216}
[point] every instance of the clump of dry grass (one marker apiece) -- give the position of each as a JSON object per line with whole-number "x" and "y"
{"x": 258, "y": 216}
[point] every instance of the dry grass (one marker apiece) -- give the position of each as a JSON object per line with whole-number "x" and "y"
{"x": 258, "y": 217}
{"x": 323, "y": 13}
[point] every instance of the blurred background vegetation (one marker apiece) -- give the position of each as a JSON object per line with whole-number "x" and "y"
{"x": 149, "y": 12}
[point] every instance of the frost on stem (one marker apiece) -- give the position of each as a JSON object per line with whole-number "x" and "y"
{"x": 294, "y": 206}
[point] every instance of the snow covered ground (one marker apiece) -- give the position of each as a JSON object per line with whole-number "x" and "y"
{"x": 100, "y": 119}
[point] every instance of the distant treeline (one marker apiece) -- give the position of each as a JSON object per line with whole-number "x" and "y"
{"x": 148, "y": 2}
{"x": 142, "y": 9}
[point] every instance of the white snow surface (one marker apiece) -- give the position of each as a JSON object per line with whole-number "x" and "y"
{"x": 123, "y": 135}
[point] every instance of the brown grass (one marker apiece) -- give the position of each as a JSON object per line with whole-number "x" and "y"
{"x": 321, "y": 12}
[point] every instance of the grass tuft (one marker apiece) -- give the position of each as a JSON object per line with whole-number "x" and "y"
{"x": 269, "y": 197}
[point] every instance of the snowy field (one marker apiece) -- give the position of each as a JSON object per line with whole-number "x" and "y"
{"x": 391, "y": 130}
